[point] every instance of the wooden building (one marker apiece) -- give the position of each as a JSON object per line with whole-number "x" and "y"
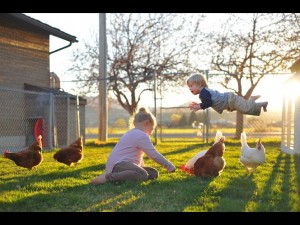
{"x": 25, "y": 71}
{"x": 290, "y": 139}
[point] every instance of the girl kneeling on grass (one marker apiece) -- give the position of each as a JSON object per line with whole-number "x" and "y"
{"x": 126, "y": 162}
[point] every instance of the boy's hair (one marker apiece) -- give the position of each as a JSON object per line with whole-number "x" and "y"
{"x": 140, "y": 115}
{"x": 197, "y": 79}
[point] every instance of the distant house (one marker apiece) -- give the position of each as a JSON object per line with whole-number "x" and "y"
{"x": 30, "y": 94}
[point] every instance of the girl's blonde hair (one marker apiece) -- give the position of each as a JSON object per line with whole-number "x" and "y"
{"x": 197, "y": 79}
{"x": 140, "y": 115}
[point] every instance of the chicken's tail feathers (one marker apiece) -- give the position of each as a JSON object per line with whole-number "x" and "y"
{"x": 244, "y": 139}
{"x": 219, "y": 135}
{"x": 39, "y": 137}
{"x": 259, "y": 144}
{"x": 39, "y": 140}
{"x": 78, "y": 142}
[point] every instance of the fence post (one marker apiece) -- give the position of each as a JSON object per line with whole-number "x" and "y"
{"x": 52, "y": 122}
{"x": 207, "y": 122}
{"x": 78, "y": 115}
{"x": 68, "y": 119}
{"x": 155, "y": 107}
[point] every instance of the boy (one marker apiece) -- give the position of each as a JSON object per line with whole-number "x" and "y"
{"x": 219, "y": 101}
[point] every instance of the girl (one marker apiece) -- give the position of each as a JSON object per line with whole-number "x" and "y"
{"x": 125, "y": 162}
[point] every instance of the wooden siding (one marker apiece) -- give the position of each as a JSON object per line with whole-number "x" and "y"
{"x": 24, "y": 54}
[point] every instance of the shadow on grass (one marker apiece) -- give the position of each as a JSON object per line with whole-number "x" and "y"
{"x": 199, "y": 147}
{"x": 84, "y": 197}
{"x": 175, "y": 192}
{"x": 278, "y": 188}
{"x": 19, "y": 181}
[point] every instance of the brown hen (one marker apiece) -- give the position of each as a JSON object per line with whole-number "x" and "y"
{"x": 212, "y": 163}
{"x": 71, "y": 154}
{"x": 28, "y": 158}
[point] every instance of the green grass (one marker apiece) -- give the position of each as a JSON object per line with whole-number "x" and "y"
{"x": 165, "y": 130}
{"x": 54, "y": 187}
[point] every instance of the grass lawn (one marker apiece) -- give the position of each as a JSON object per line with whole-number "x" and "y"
{"x": 55, "y": 187}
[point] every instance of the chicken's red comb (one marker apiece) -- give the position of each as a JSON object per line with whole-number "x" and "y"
{"x": 185, "y": 169}
{"x": 182, "y": 167}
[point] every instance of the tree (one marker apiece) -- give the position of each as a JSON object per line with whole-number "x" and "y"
{"x": 140, "y": 46}
{"x": 251, "y": 46}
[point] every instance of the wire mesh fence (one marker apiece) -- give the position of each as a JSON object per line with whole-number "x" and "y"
{"x": 180, "y": 122}
{"x": 24, "y": 115}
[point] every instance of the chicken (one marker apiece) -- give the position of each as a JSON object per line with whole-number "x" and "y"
{"x": 71, "y": 154}
{"x": 213, "y": 162}
{"x": 251, "y": 158}
{"x": 28, "y": 158}
{"x": 190, "y": 164}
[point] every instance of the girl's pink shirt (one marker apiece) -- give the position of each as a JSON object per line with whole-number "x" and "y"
{"x": 131, "y": 148}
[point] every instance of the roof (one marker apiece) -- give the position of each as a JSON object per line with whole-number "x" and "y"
{"x": 45, "y": 27}
{"x": 53, "y": 91}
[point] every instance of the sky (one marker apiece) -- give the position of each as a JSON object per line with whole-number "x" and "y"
{"x": 82, "y": 25}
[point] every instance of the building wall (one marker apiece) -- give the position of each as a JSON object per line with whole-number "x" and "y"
{"x": 24, "y": 54}
{"x": 24, "y": 58}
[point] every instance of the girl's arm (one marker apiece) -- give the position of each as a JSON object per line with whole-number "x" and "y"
{"x": 149, "y": 149}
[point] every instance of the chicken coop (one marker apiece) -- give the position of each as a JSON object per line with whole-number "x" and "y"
{"x": 290, "y": 135}
{"x": 56, "y": 115}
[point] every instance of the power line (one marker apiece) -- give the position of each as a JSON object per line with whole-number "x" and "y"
{"x": 210, "y": 74}
{"x": 92, "y": 79}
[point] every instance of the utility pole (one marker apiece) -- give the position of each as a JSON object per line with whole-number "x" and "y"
{"x": 103, "y": 114}
{"x": 155, "y": 106}
{"x": 207, "y": 122}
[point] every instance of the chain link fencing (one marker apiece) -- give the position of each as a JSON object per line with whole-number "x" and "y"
{"x": 179, "y": 122}
{"x": 26, "y": 114}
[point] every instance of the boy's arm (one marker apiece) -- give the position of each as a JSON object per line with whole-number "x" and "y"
{"x": 206, "y": 101}
{"x": 194, "y": 106}
{"x": 205, "y": 98}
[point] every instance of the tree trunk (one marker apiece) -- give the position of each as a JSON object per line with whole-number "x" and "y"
{"x": 239, "y": 124}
